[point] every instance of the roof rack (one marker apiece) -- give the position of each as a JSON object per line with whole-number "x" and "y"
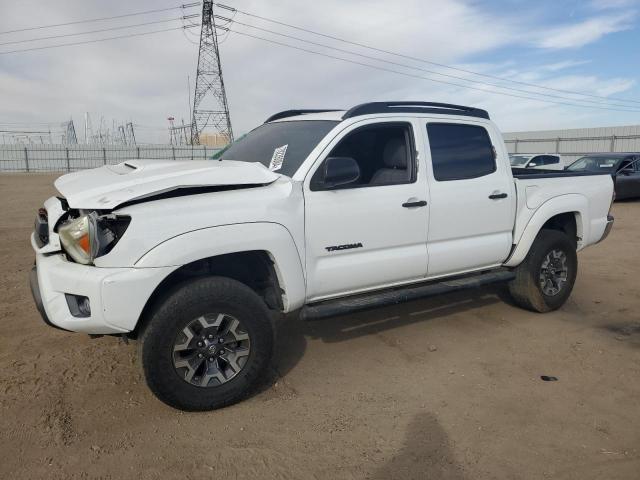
{"x": 293, "y": 113}
{"x": 414, "y": 107}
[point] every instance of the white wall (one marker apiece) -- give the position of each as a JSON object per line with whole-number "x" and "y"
{"x": 574, "y": 143}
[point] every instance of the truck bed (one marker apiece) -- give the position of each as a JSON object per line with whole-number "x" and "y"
{"x": 588, "y": 192}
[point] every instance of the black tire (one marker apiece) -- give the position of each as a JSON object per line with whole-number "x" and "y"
{"x": 527, "y": 290}
{"x": 189, "y": 301}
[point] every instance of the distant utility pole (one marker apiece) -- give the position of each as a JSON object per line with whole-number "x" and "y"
{"x": 88, "y": 131}
{"x": 210, "y": 109}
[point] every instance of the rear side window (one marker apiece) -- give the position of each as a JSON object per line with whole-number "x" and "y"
{"x": 459, "y": 151}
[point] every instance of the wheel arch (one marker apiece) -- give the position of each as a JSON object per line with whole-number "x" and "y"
{"x": 566, "y": 213}
{"x": 263, "y": 256}
{"x": 254, "y": 268}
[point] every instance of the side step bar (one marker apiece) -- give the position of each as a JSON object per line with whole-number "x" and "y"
{"x": 381, "y": 298}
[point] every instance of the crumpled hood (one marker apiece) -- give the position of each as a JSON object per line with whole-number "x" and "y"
{"x": 107, "y": 187}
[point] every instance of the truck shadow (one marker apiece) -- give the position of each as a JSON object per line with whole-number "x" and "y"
{"x": 426, "y": 453}
{"x": 292, "y": 333}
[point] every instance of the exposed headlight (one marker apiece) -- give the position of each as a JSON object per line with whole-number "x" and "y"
{"x": 78, "y": 237}
{"x": 90, "y": 236}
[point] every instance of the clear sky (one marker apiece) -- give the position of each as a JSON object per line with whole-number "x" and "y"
{"x": 586, "y": 46}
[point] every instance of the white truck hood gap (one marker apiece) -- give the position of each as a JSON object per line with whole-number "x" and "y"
{"x": 107, "y": 187}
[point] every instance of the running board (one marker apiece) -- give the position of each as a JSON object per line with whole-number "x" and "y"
{"x": 381, "y": 298}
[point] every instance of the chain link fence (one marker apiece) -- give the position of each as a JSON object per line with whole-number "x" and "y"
{"x": 61, "y": 158}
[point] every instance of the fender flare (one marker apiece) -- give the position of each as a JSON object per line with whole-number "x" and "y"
{"x": 273, "y": 238}
{"x": 569, "y": 203}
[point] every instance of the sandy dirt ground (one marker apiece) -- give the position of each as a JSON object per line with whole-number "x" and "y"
{"x": 444, "y": 388}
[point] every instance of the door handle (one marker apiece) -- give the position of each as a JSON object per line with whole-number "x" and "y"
{"x": 416, "y": 203}
{"x": 496, "y": 195}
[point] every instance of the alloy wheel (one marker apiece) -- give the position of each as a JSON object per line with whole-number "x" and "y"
{"x": 211, "y": 350}
{"x": 553, "y": 272}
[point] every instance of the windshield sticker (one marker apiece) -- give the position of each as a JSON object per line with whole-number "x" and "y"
{"x": 278, "y": 158}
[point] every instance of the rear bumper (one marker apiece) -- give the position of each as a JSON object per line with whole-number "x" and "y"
{"x": 117, "y": 295}
{"x": 607, "y": 228}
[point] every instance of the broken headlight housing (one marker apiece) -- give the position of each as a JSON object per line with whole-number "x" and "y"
{"x": 90, "y": 236}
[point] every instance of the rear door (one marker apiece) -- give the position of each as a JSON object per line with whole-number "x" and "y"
{"x": 472, "y": 206}
{"x": 372, "y": 232}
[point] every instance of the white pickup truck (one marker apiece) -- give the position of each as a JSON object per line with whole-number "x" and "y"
{"x": 322, "y": 212}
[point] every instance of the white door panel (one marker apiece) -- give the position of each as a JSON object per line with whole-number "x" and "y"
{"x": 468, "y": 229}
{"x": 451, "y": 256}
{"x": 392, "y": 238}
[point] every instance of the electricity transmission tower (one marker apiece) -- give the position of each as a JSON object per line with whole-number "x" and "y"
{"x": 210, "y": 109}
{"x": 69, "y": 135}
{"x": 130, "y": 137}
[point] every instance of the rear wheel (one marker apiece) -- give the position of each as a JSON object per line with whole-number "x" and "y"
{"x": 545, "y": 279}
{"x": 207, "y": 344}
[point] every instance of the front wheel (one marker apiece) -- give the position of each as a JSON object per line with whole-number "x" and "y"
{"x": 207, "y": 344}
{"x": 545, "y": 278}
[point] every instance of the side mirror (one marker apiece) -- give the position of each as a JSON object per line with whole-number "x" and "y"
{"x": 340, "y": 171}
{"x": 531, "y": 165}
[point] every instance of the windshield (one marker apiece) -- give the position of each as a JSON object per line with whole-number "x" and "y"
{"x": 279, "y": 146}
{"x": 519, "y": 159}
{"x": 595, "y": 164}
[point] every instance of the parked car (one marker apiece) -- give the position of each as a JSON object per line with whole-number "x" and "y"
{"x": 321, "y": 212}
{"x": 541, "y": 161}
{"x": 625, "y": 168}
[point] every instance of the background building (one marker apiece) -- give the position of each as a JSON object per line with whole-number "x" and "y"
{"x": 576, "y": 142}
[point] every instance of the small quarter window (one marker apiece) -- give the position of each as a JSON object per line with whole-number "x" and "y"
{"x": 460, "y": 151}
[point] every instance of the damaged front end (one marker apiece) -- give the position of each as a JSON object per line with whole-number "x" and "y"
{"x": 91, "y": 235}
{"x": 82, "y": 235}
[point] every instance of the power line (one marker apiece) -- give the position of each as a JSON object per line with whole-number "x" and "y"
{"x": 96, "y": 40}
{"x": 187, "y": 5}
{"x": 350, "y": 52}
{"x": 484, "y": 90}
{"x": 226, "y": 7}
{"x": 97, "y": 31}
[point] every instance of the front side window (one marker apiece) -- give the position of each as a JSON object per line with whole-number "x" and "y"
{"x": 279, "y": 146}
{"x": 626, "y": 165}
{"x": 460, "y": 151}
{"x": 634, "y": 164}
{"x": 383, "y": 153}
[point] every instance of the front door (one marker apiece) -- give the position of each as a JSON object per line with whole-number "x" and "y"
{"x": 372, "y": 232}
